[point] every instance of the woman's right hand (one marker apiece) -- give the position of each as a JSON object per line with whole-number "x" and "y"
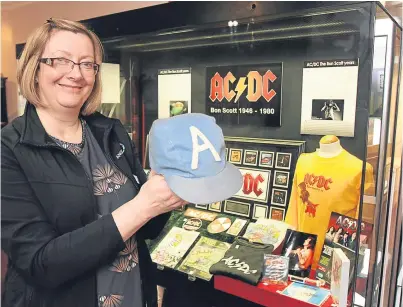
{"x": 157, "y": 198}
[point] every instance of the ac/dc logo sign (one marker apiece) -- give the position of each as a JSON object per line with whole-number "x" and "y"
{"x": 256, "y": 86}
{"x": 245, "y": 94}
{"x": 255, "y": 184}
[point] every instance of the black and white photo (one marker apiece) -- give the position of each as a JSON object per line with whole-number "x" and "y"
{"x": 327, "y": 109}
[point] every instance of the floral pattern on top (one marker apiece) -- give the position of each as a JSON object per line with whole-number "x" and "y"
{"x": 128, "y": 258}
{"x": 110, "y": 301}
{"x": 107, "y": 179}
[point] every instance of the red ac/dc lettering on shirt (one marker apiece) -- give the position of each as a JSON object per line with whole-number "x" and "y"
{"x": 319, "y": 182}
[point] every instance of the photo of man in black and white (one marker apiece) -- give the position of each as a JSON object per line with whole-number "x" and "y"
{"x": 327, "y": 109}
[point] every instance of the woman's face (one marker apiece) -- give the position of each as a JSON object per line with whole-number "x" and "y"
{"x": 66, "y": 90}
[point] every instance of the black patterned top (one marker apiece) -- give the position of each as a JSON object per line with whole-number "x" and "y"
{"x": 119, "y": 283}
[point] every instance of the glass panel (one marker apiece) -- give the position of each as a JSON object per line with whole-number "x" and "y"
{"x": 385, "y": 156}
{"x": 284, "y": 45}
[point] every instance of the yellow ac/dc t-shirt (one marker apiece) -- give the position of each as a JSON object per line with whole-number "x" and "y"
{"x": 322, "y": 185}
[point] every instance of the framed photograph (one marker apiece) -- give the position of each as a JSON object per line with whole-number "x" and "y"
{"x": 277, "y": 214}
{"x": 237, "y": 208}
{"x": 235, "y": 156}
{"x": 266, "y": 159}
{"x": 283, "y": 160}
{"x": 215, "y": 206}
{"x": 281, "y": 179}
{"x": 250, "y": 157}
{"x": 279, "y": 197}
{"x": 259, "y": 211}
{"x": 255, "y": 184}
{"x": 201, "y": 206}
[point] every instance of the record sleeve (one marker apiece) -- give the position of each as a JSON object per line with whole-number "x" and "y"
{"x": 173, "y": 247}
{"x": 203, "y": 255}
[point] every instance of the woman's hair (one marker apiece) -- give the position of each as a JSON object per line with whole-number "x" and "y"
{"x": 28, "y": 63}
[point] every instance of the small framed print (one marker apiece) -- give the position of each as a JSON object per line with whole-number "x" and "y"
{"x": 277, "y": 214}
{"x": 281, "y": 179}
{"x": 215, "y": 206}
{"x": 235, "y": 156}
{"x": 266, "y": 159}
{"x": 250, "y": 157}
{"x": 201, "y": 206}
{"x": 259, "y": 211}
{"x": 237, "y": 208}
{"x": 279, "y": 197}
{"x": 283, "y": 160}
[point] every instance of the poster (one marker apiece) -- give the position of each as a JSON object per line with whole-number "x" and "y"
{"x": 245, "y": 94}
{"x": 329, "y": 94}
{"x": 174, "y": 92}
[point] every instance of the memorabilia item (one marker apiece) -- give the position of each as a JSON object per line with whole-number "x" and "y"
{"x": 250, "y": 157}
{"x": 330, "y": 108}
{"x": 266, "y": 159}
{"x": 192, "y": 224}
{"x": 271, "y": 232}
{"x": 219, "y": 225}
{"x": 215, "y": 206}
{"x": 173, "y": 247}
{"x": 341, "y": 229}
{"x": 237, "y": 208}
{"x": 279, "y": 197}
{"x": 201, "y": 206}
{"x": 277, "y": 214}
{"x": 174, "y": 92}
{"x": 236, "y": 227}
{"x": 310, "y": 294}
{"x": 204, "y": 215}
{"x": 235, "y": 156}
{"x": 281, "y": 179}
{"x": 259, "y": 211}
{"x": 245, "y": 94}
{"x": 189, "y": 151}
{"x": 242, "y": 261}
{"x": 202, "y": 256}
{"x": 283, "y": 160}
{"x": 255, "y": 184}
{"x": 299, "y": 247}
{"x": 322, "y": 185}
{"x": 340, "y": 277}
{"x": 275, "y": 270}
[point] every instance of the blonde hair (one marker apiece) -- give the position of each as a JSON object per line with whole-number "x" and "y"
{"x": 28, "y": 63}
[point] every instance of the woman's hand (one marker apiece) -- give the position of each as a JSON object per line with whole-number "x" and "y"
{"x": 156, "y": 196}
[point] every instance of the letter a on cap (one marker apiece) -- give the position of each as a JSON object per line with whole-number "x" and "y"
{"x": 202, "y": 147}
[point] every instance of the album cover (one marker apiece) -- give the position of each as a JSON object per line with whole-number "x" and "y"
{"x": 275, "y": 269}
{"x": 341, "y": 230}
{"x": 173, "y": 247}
{"x": 202, "y": 256}
{"x": 271, "y": 232}
{"x": 299, "y": 247}
{"x": 279, "y": 197}
{"x": 281, "y": 179}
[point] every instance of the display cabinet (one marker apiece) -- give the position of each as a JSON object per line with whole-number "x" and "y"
{"x": 289, "y": 83}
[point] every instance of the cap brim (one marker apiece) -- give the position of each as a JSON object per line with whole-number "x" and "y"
{"x": 207, "y": 190}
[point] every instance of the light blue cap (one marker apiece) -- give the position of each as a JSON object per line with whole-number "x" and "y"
{"x": 189, "y": 151}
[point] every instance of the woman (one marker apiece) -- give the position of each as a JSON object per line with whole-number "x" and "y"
{"x": 76, "y": 204}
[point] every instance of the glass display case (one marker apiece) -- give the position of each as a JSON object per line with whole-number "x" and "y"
{"x": 306, "y": 94}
